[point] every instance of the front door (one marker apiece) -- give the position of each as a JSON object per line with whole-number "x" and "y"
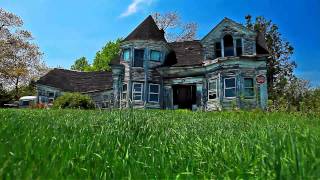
{"x": 184, "y": 96}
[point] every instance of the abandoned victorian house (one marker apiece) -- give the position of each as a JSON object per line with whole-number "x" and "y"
{"x": 223, "y": 70}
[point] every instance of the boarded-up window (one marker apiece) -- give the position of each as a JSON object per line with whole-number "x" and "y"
{"x": 230, "y": 87}
{"x": 248, "y": 87}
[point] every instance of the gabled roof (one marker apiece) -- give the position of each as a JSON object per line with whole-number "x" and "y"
{"x": 186, "y": 53}
{"x": 226, "y": 20}
{"x": 75, "y": 81}
{"x": 147, "y": 30}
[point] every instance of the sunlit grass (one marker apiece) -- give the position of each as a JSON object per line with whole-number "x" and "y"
{"x": 158, "y": 144}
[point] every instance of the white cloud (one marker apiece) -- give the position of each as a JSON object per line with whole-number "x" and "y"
{"x": 134, "y": 7}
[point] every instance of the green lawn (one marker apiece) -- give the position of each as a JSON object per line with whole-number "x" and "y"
{"x": 158, "y": 144}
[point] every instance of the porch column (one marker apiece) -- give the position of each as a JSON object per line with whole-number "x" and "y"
{"x": 199, "y": 95}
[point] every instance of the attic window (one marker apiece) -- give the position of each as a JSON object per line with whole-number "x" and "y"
{"x": 228, "y": 45}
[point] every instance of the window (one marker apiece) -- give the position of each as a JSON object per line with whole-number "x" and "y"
{"x": 155, "y": 55}
{"x": 124, "y": 91}
{"x": 137, "y": 91}
{"x": 51, "y": 94}
{"x": 228, "y": 45}
{"x": 217, "y": 47}
{"x": 154, "y": 91}
{"x": 212, "y": 89}
{"x": 126, "y": 54}
{"x": 248, "y": 87}
{"x": 230, "y": 87}
{"x": 239, "y": 47}
{"x": 138, "y": 58}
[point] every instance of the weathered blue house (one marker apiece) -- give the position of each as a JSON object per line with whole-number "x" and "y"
{"x": 225, "y": 69}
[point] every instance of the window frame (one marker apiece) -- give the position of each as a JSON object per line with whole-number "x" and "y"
{"x": 244, "y": 87}
{"x": 134, "y": 92}
{"x": 225, "y": 48}
{"x": 150, "y": 84}
{"x": 129, "y": 50}
{"x": 235, "y": 87}
{"x": 215, "y": 89}
{"x": 124, "y": 92}
{"x": 160, "y": 54}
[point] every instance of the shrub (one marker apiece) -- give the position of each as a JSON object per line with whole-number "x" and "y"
{"x": 73, "y": 100}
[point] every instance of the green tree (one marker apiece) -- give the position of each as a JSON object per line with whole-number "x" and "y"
{"x": 105, "y": 55}
{"x": 280, "y": 66}
{"x": 81, "y": 64}
{"x": 20, "y": 59}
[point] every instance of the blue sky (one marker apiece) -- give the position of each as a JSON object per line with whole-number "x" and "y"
{"x": 68, "y": 29}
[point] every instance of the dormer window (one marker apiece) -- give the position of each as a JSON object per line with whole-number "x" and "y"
{"x": 228, "y": 45}
{"x": 155, "y": 55}
{"x": 126, "y": 54}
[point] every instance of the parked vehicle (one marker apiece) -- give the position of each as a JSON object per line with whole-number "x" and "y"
{"x": 27, "y": 101}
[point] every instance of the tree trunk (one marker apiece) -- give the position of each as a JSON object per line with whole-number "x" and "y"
{"x": 17, "y": 89}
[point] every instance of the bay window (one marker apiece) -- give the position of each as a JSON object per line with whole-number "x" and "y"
{"x": 212, "y": 89}
{"x": 230, "y": 87}
{"x": 248, "y": 87}
{"x": 154, "y": 92}
{"x": 137, "y": 89}
{"x": 124, "y": 91}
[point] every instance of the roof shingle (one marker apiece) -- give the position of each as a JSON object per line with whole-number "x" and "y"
{"x": 74, "y": 81}
{"x": 186, "y": 53}
{"x": 147, "y": 30}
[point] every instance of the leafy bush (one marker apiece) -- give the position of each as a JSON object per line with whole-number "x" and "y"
{"x": 73, "y": 101}
{"x": 311, "y": 103}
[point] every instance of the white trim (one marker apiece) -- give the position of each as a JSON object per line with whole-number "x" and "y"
{"x": 216, "y": 88}
{"x": 154, "y": 93}
{"x": 235, "y": 87}
{"x": 133, "y": 91}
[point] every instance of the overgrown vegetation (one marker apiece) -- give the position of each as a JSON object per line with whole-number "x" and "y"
{"x": 158, "y": 144}
{"x": 73, "y": 101}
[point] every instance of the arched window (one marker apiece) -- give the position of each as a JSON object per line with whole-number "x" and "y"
{"x": 228, "y": 45}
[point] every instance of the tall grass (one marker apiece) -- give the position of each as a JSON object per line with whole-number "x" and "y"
{"x": 158, "y": 144}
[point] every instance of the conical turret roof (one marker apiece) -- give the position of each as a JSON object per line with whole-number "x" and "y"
{"x": 147, "y": 30}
